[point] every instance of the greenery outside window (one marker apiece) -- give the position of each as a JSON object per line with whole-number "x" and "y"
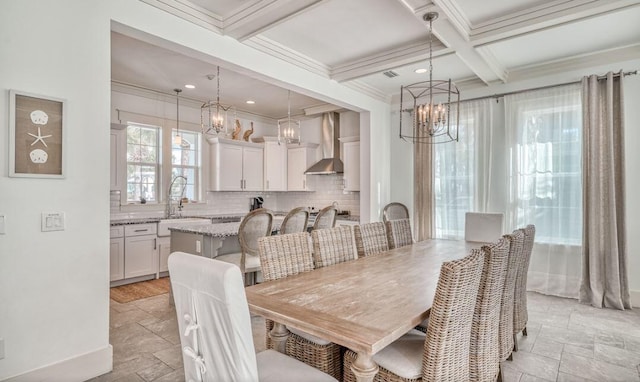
{"x": 185, "y": 161}
{"x": 143, "y": 163}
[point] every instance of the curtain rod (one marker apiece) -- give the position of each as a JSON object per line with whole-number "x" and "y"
{"x": 500, "y": 95}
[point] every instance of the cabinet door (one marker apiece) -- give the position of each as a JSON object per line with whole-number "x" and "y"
{"x": 141, "y": 255}
{"x": 116, "y": 259}
{"x": 164, "y": 250}
{"x": 296, "y": 166}
{"x": 352, "y": 166}
{"x": 275, "y": 166}
{"x": 230, "y": 168}
{"x": 252, "y": 168}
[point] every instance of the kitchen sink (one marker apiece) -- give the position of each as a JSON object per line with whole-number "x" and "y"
{"x": 164, "y": 224}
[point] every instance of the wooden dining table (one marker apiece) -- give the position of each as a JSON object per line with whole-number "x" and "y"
{"x": 364, "y": 304}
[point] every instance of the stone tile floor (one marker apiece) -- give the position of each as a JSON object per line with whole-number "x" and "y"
{"x": 567, "y": 342}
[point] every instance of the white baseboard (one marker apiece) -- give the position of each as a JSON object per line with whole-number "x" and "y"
{"x": 635, "y": 298}
{"x": 80, "y": 368}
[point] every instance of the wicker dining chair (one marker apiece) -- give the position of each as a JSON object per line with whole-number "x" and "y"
{"x": 394, "y": 211}
{"x": 333, "y": 246}
{"x": 295, "y": 221}
{"x": 371, "y": 238}
{"x": 520, "y": 314}
{"x": 399, "y": 233}
{"x": 286, "y": 255}
{"x": 215, "y": 327}
{"x": 484, "y": 360}
{"x": 326, "y": 218}
{"x": 254, "y": 225}
{"x": 442, "y": 354}
{"x": 505, "y": 331}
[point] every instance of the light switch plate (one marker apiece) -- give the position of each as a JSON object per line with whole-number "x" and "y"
{"x": 52, "y": 221}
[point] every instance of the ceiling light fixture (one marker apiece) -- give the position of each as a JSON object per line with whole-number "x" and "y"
{"x": 189, "y": 86}
{"x": 250, "y": 102}
{"x": 421, "y": 70}
{"x": 213, "y": 115}
{"x": 289, "y": 129}
{"x": 430, "y": 123}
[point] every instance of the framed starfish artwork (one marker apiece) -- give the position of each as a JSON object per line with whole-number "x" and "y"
{"x": 36, "y": 135}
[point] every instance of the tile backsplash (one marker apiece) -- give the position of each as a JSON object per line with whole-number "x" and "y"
{"x": 327, "y": 189}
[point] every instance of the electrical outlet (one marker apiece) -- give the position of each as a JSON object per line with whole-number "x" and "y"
{"x": 1, "y": 348}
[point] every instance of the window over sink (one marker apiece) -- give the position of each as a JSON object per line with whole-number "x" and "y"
{"x": 143, "y": 165}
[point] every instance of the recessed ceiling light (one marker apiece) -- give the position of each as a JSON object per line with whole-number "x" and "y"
{"x": 420, "y": 71}
{"x": 189, "y": 86}
{"x": 250, "y": 102}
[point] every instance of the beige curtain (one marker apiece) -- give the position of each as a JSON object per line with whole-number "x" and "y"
{"x": 423, "y": 191}
{"x": 604, "y": 248}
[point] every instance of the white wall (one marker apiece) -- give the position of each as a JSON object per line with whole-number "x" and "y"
{"x": 54, "y": 287}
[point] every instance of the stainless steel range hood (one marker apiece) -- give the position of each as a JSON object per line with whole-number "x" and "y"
{"x": 330, "y": 162}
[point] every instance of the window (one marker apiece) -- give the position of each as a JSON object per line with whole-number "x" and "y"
{"x": 143, "y": 158}
{"x": 185, "y": 161}
{"x": 545, "y": 152}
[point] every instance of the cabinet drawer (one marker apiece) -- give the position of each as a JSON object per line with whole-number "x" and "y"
{"x": 116, "y": 231}
{"x": 140, "y": 229}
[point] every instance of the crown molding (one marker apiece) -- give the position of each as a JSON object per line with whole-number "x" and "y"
{"x": 291, "y": 56}
{"x": 190, "y": 12}
{"x": 456, "y": 17}
{"x": 584, "y": 61}
{"x": 366, "y": 89}
{"x": 556, "y": 13}
{"x": 490, "y": 59}
{"x": 263, "y": 15}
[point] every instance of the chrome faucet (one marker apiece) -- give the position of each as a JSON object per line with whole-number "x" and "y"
{"x": 170, "y": 209}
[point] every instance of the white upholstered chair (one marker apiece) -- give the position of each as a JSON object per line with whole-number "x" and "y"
{"x": 215, "y": 327}
{"x": 484, "y": 227}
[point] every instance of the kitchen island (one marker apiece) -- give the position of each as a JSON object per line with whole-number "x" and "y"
{"x": 209, "y": 240}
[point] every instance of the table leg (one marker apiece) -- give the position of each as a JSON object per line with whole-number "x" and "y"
{"x": 364, "y": 368}
{"x": 279, "y": 335}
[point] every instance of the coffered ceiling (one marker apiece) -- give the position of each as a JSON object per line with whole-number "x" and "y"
{"x": 476, "y": 43}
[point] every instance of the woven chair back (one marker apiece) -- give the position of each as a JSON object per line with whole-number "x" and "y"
{"x": 484, "y": 362}
{"x": 295, "y": 221}
{"x": 520, "y": 313}
{"x": 399, "y": 233}
{"x": 505, "y": 334}
{"x": 371, "y": 238}
{"x": 333, "y": 246}
{"x": 285, "y": 255}
{"x": 446, "y": 348}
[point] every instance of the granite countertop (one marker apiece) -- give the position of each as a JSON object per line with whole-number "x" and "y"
{"x": 141, "y": 220}
{"x": 352, "y": 218}
{"x": 215, "y": 229}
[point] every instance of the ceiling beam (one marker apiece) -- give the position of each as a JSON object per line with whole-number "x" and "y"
{"x": 263, "y": 15}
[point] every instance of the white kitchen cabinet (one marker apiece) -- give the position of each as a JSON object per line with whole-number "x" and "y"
{"x": 299, "y": 159}
{"x": 117, "y": 166}
{"x": 351, "y": 158}
{"x": 235, "y": 165}
{"x": 141, "y": 250}
{"x": 164, "y": 250}
{"x": 116, "y": 253}
{"x": 275, "y": 164}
